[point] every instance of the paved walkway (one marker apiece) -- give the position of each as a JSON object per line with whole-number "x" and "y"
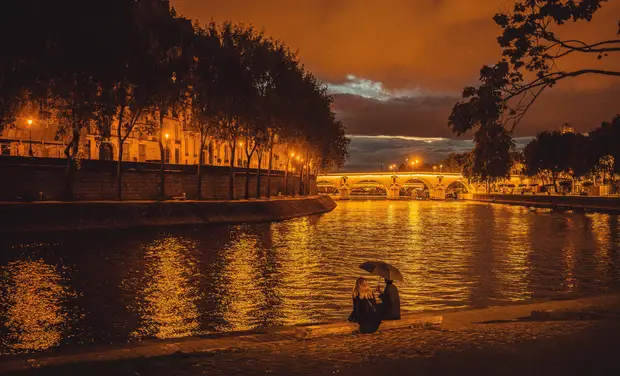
{"x": 474, "y": 342}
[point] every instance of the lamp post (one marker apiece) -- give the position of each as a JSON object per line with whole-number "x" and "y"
{"x": 167, "y": 151}
{"x": 30, "y": 137}
{"x": 440, "y": 168}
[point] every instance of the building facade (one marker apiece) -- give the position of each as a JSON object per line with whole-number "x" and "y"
{"x": 181, "y": 145}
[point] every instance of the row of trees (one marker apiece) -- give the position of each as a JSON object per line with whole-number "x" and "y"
{"x": 552, "y": 155}
{"x": 123, "y": 66}
{"x": 532, "y": 53}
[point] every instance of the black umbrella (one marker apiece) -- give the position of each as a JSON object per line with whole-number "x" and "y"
{"x": 382, "y": 269}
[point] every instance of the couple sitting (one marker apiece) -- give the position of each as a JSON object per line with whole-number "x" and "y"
{"x": 367, "y": 312}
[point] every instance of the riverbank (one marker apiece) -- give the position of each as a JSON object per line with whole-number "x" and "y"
{"x": 94, "y": 215}
{"x": 551, "y": 338}
{"x": 579, "y": 203}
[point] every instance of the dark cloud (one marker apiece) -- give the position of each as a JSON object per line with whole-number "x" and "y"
{"x": 367, "y": 152}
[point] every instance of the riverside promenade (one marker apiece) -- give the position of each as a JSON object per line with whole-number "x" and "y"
{"x": 18, "y": 217}
{"x": 569, "y": 337}
{"x": 604, "y": 204}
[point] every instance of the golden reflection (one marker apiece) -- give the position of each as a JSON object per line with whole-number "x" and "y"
{"x": 167, "y": 301}
{"x": 242, "y": 296}
{"x": 568, "y": 283}
{"x": 301, "y": 265}
{"x": 33, "y": 295}
{"x": 512, "y": 256}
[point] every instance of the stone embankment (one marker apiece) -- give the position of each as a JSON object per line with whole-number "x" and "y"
{"x": 581, "y": 203}
{"x": 84, "y": 215}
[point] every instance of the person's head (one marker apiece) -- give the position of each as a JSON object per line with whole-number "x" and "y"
{"x": 362, "y": 290}
{"x": 388, "y": 281}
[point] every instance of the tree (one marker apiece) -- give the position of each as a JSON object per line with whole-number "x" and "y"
{"x": 236, "y": 44}
{"x": 531, "y": 54}
{"x": 206, "y": 104}
{"x": 605, "y": 165}
{"x": 605, "y": 140}
{"x": 454, "y": 162}
{"x": 167, "y": 42}
{"x": 492, "y": 158}
{"x": 74, "y": 68}
{"x": 554, "y": 153}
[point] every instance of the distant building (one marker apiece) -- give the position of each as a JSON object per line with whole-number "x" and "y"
{"x": 181, "y": 146}
{"x": 565, "y": 128}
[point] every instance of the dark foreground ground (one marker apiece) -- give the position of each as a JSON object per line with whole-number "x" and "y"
{"x": 582, "y": 343}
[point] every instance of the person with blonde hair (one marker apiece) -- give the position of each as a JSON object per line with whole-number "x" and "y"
{"x": 365, "y": 311}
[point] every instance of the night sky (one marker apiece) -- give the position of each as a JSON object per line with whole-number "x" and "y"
{"x": 396, "y": 67}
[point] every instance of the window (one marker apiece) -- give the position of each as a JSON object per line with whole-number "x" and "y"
{"x": 141, "y": 153}
{"x": 126, "y": 151}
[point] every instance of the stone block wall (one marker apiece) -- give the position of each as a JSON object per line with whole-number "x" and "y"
{"x": 29, "y": 179}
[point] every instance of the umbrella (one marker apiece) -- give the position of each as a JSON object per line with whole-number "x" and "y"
{"x": 382, "y": 269}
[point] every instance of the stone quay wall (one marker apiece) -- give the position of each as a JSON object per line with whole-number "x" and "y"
{"x": 94, "y": 215}
{"x": 43, "y": 179}
{"x": 585, "y": 203}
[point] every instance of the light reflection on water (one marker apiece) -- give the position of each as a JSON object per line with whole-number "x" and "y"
{"x": 33, "y": 296}
{"x": 134, "y": 285}
{"x": 166, "y": 298}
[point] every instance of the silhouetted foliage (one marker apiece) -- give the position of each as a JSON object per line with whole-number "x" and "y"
{"x": 531, "y": 51}
{"x": 552, "y": 154}
{"x": 120, "y": 67}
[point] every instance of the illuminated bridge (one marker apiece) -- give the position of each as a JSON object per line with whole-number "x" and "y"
{"x": 420, "y": 185}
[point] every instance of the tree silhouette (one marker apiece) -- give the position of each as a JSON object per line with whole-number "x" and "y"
{"x": 531, "y": 52}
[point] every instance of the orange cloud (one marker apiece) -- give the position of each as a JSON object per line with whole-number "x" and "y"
{"x": 424, "y": 46}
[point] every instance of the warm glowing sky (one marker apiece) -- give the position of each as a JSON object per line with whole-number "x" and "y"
{"x": 398, "y": 66}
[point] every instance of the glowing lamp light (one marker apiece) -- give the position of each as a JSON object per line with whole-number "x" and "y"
{"x": 292, "y": 154}
{"x": 167, "y": 136}
{"x": 29, "y": 122}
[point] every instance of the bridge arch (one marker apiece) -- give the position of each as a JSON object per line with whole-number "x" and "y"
{"x": 368, "y": 188}
{"x": 416, "y": 187}
{"x": 457, "y": 186}
{"x": 326, "y": 187}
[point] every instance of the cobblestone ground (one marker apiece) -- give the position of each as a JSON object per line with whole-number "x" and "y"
{"x": 549, "y": 348}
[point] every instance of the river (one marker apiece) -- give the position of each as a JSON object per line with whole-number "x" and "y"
{"x": 119, "y": 286}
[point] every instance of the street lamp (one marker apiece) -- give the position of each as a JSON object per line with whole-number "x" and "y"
{"x": 30, "y": 137}
{"x": 440, "y": 167}
{"x": 167, "y": 151}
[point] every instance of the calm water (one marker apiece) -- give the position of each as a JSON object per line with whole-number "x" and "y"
{"x": 124, "y": 286}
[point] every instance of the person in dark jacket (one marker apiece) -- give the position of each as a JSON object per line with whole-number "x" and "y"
{"x": 365, "y": 310}
{"x": 390, "y": 302}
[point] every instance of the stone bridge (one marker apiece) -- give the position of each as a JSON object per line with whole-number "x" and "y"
{"x": 391, "y": 185}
